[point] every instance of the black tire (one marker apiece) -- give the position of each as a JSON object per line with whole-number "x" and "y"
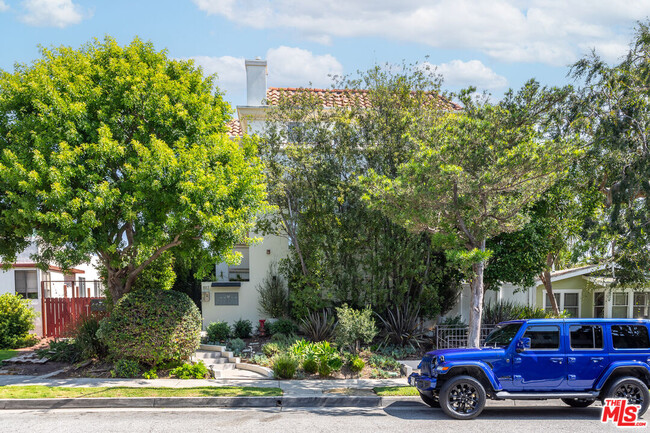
{"x": 462, "y": 397}
{"x": 430, "y": 401}
{"x": 631, "y": 388}
{"x": 578, "y": 402}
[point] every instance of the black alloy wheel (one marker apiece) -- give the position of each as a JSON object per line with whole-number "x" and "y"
{"x": 633, "y": 390}
{"x": 462, "y": 397}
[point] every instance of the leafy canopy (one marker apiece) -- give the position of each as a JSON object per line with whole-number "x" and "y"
{"x": 120, "y": 152}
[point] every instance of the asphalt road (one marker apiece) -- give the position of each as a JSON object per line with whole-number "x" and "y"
{"x": 403, "y": 417}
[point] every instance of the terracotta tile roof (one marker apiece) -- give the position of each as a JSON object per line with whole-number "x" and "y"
{"x": 233, "y": 128}
{"x": 336, "y": 97}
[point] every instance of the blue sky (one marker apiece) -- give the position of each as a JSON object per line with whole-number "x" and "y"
{"x": 492, "y": 44}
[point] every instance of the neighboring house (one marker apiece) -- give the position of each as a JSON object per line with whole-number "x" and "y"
{"x": 234, "y": 294}
{"x": 25, "y": 279}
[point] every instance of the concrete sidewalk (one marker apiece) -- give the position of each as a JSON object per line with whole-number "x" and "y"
{"x": 290, "y": 388}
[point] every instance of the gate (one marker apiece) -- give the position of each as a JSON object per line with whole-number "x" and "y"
{"x": 453, "y": 336}
{"x": 72, "y": 301}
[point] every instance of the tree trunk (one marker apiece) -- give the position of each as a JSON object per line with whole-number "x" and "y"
{"x": 476, "y": 307}
{"x": 548, "y": 285}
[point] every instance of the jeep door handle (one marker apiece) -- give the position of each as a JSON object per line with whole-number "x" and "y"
{"x": 596, "y": 359}
{"x": 557, "y": 360}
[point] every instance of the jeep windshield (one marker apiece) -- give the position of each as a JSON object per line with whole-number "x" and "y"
{"x": 502, "y": 335}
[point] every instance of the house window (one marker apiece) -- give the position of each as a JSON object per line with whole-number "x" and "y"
{"x": 599, "y": 305}
{"x": 26, "y": 284}
{"x": 82, "y": 287}
{"x": 97, "y": 286}
{"x": 566, "y": 301}
{"x": 641, "y": 307}
{"x": 226, "y": 298}
{"x": 619, "y": 305}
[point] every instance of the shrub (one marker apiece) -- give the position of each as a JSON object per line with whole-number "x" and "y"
{"x": 16, "y": 320}
{"x": 191, "y": 371}
{"x": 151, "y": 374}
{"x": 126, "y": 368}
{"x": 218, "y": 331}
{"x": 236, "y": 345}
{"x": 273, "y": 297}
{"x": 242, "y": 328}
{"x": 284, "y": 340}
{"x": 271, "y": 349}
{"x": 283, "y": 326}
{"x": 85, "y": 336}
{"x": 354, "y": 327}
{"x": 61, "y": 351}
{"x": 318, "y": 326}
{"x": 152, "y": 326}
{"x": 310, "y": 364}
{"x": 384, "y": 362}
{"x": 356, "y": 364}
{"x": 402, "y": 326}
{"x": 285, "y": 366}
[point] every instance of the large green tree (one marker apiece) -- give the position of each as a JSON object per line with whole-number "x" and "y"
{"x": 615, "y": 105}
{"x": 341, "y": 251}
{"x": 120, "y": 152}
{"x": 475, "y": 173}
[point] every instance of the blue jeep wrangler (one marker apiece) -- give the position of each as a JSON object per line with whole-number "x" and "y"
{"x": 576, "y": 360}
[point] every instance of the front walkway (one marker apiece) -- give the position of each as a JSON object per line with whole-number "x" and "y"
{"x": 295, "y": 388}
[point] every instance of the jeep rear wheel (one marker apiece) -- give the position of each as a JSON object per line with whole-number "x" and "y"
{"x": 462, "y": 397}
{"x": 630, "y": 388}
{"x": 578, "y": 402}
{"x": 430, "y": 401}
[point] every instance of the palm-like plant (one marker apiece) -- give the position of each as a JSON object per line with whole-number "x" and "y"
{"x": 318, "y": 326}
{"x": 402, "y": 326}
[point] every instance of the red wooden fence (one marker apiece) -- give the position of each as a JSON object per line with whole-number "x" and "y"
{"x": 61, "y": 314}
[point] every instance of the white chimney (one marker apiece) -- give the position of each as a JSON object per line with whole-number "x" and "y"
{"x": 256, "y": 73}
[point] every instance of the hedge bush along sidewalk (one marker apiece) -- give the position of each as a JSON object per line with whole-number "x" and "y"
{"x": 39, "y": 391}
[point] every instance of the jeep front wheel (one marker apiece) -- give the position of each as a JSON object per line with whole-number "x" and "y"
{"x": 462, "y": 397}
{"x": 430, "y": 401}
{"x": 578, "y": 402}
{"x": 632, "y": 389}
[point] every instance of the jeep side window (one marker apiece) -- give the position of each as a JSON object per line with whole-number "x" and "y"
{"x": 630, "y": 337}
{"x": 502, "y": 335}
{"x": 543, "y": 337}
{"x": 586, "y": 336}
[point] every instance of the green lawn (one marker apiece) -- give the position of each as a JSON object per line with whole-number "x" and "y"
{"x": 6, "y": 354}
{"x": 384, "y": 391}
{"x": 123, "y": 391}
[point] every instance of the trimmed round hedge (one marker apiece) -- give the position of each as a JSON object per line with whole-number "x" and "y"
{"x": 152, "y": 326}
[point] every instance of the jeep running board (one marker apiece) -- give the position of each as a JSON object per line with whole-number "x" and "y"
{"x": 505, "y": 395}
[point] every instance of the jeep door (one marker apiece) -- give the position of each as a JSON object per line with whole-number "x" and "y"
{"x": 543, "y": 366}
{"x": 586, "y": 355}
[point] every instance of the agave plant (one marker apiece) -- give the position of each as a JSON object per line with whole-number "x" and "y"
{"x": 402, "y": 327}
{"x": 501, "y": 311}
{"x": 318, "y": 326}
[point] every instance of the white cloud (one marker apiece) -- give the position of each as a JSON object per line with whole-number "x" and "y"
{"x": 550, "y": 31}
{"x": 3, "y": 6}
{"x": 52, "y": 13}
{"x": 473, "y": 72}
{"x": 288, "y": 67}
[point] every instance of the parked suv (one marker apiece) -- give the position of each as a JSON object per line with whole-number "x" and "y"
{"x": 576, "y": 360}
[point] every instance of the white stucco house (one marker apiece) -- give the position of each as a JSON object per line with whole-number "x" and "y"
{"x": 234, "y": 294}
{"x": 26, "y": 279}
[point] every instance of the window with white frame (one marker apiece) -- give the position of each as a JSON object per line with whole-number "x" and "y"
{"x": 568, "y": 301}
{"x": 620, "y": 305}
{"x": 26, "y": 284}
{"x": 641, "y": 307}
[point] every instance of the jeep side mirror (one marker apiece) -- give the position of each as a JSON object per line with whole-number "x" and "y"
{"x": 523, "y": 344}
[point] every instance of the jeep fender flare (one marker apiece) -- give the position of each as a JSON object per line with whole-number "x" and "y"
{"x": 618, "y": 365}
{"x": 484, "y": 367}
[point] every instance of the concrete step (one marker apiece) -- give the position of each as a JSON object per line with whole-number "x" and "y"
{"x": 224, "y": 366}
{"x": 208, "y": 355}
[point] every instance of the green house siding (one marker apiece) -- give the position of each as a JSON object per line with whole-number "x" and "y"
{"x": 573, "y": 283}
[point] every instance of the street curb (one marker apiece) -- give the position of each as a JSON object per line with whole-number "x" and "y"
{"x": 188, "y": 402}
